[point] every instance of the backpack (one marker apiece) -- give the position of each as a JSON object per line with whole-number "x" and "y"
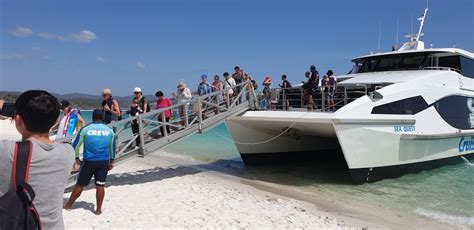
{"x": 16, "y": 207}
{"x": 142, "y": 104}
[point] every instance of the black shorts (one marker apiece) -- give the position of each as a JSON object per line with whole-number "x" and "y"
{"x": 98, "y": 169}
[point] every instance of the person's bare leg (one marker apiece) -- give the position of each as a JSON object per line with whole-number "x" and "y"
{"x": 99, "y": 195}
{"x": 76, "y": 192}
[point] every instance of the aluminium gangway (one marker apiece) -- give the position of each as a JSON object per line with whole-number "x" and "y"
{"x": 199, "y": 113}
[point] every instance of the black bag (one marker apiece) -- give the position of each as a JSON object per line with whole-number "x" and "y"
{"x": 16, "y": 208}
{"x": 142, "y": 105}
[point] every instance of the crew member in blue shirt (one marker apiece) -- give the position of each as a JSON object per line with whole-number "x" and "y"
{"x": 98, "y": 158}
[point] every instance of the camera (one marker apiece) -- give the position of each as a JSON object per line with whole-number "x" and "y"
{"x": 8, "y": 110}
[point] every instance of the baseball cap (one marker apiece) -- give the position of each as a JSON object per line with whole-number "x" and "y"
{"x": 137, "y": 89}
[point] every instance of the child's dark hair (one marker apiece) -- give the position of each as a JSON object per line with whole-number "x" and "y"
{"x": 159, "y": 94}
{"x": 283, "y": 76}
{"x": 38, "y": 109}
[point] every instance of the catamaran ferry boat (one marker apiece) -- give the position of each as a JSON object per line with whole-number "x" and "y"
{"x": 397, "y": 112}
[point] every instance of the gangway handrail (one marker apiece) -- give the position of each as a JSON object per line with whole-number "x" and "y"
{"x": 195, "y": 120}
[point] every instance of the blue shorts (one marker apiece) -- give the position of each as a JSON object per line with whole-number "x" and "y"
{"x": 98, "y": 169}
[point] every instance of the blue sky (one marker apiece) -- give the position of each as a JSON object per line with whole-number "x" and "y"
{"x": 71, "y": 46}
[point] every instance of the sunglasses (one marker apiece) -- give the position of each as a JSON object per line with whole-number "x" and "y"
{"x": 136, "y": 92}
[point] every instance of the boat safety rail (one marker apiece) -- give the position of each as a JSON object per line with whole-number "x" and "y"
{"x": 442, "y": 68}
{"x": 187, "y": 116}
{"x": 323, "y": 98}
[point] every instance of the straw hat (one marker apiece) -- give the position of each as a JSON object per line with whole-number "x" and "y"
{"x": 181, "y": 85}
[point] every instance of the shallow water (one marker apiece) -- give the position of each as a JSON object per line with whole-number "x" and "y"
{"x": 445, "y": 194}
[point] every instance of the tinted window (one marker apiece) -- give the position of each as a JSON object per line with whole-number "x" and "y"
{"x": 414, "y": 61}
{"x": 450, "y": 61}
{"x": 407, "y": 106}
{"x": 467, "y": 67}
{"x": 455, "y": 111}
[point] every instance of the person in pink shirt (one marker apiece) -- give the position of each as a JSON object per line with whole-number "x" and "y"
{"x": 163, "y": 102}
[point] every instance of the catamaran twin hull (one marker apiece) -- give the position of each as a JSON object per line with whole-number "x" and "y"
{"x": 376, "y": 148}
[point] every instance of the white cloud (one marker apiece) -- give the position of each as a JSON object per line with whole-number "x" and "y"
{"x": 46, "y": 57}
{"x": 99, "y": 59}
{"x": 22, "y": 32}
{"x": 140, "y": 65}
{"x": 83, "y": 36}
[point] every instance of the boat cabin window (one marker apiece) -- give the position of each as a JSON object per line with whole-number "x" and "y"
{"x": 467, "y": 67}
{"x": 457, "y": 111}
{"x": 408, "y": 106}
{"x": 415, "y": 61}
{"x": 395, "y": 62}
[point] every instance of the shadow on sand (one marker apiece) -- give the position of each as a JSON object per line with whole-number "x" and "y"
{"x": 144, "y": 176}
{"x": 327, "y": 170}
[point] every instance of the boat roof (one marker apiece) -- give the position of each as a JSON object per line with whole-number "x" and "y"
{"x": 447, "y": 50}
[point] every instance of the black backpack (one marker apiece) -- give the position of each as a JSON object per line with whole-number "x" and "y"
{"x": 142, "y": 105}
{"x": 16, "y": 208}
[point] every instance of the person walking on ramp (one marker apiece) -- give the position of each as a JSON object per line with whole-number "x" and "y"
{"x": 98, "y": 157}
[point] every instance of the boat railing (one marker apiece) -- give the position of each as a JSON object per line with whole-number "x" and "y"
{"x": 298, "y": 98}
{"x": 442, "y": 68}
{"x": 189, "y": 116}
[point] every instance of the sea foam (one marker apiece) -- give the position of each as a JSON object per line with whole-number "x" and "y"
{"x": 467, "y": 161}
{"x": 465, "y": 222}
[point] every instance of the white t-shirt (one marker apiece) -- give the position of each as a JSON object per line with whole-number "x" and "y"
{"x": 228, "y": 84}
{"x": 185, "y": 95}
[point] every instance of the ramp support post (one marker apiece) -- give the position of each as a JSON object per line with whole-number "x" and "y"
{"x": 141, "y": 135}
{"x": 199, "y": 113}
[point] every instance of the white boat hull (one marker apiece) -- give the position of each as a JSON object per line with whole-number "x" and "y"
{"x": 371, "y": 148}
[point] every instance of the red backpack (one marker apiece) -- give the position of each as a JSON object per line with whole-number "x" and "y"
{"x": 16, "y": 207}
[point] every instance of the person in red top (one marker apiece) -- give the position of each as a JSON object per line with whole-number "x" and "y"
{"x": 163, "y": 102}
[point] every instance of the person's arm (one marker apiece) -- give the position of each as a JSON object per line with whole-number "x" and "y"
{"x": 115, "y": 110}
{"x": 79, "y": 117}
{"x": 187, "y": 93}
{"x": 112, "y": 148}
{"x": 145, "y": 107}
{"x": 77, "y": 144}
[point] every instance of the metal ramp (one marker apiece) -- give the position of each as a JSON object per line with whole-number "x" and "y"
{"x": 191, "y": 116}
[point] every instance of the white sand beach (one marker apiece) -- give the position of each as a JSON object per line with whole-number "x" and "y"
{"x": 142, "y": 194}
{"x": 153, "y": 192}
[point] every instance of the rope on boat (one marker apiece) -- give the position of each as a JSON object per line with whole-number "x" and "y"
{"x": 260, "y": 142}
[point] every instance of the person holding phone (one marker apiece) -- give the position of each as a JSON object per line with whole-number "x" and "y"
{"x": 34, "y": 113}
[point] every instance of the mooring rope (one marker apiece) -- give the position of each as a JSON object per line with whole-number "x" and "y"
{"x": 260, "y": 142}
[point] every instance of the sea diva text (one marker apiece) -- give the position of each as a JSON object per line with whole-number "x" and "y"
{"x": 466, "y": 144}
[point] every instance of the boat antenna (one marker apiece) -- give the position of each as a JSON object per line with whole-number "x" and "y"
{"x": 414, "y": 42}
{"x": 398, "y": 27}
{"x": 422, "y": 22}
{"x": 380, "y": 32}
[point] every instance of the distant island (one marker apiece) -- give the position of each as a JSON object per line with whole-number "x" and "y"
{"x": 79, "y": 100}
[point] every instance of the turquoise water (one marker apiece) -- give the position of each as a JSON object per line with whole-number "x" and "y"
{"x": 445, "y": 194}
